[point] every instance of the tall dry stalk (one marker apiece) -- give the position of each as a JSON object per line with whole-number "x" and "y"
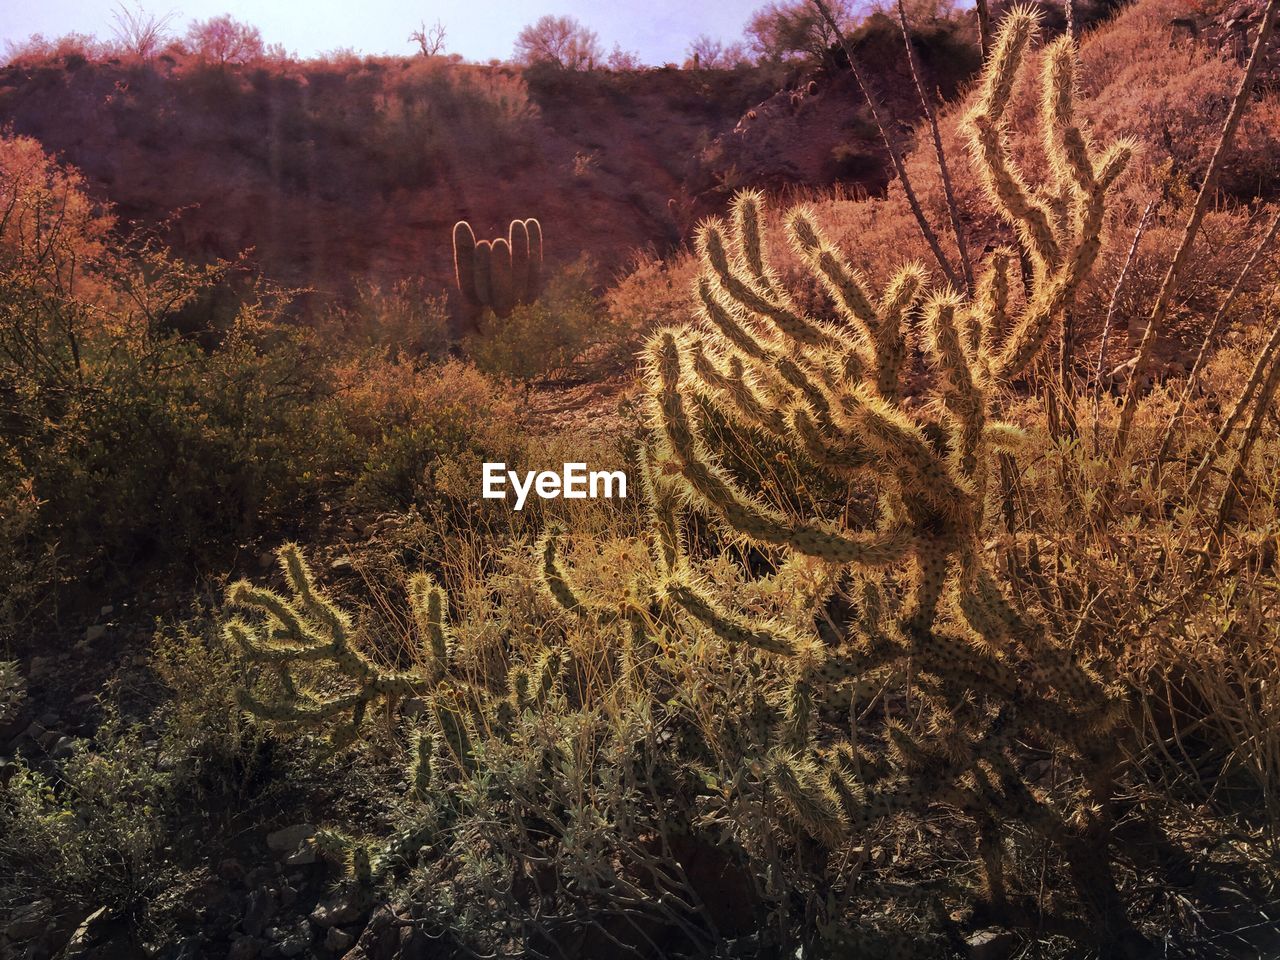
{"x": 895, "y": 154}
{"x": 1115, "y": 299}
{"x": 1258, "y": 380}
{"x": 940, "y": 154}
{"x": 1266, "y": 391}
{"x": 1159, "y": 312}
{"x": 1210, "y": 333}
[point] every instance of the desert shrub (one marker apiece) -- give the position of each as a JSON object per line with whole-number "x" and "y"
{"x": 13, "y": 691}
{"x": 74, "y": 49}
{"x": 224, "y": 40}
{"x": 1144, "y": 569}
{"x": 95, "y": 833}
{"x": 28, "y": 561}
{"x": 439, "y": 113}
{"x": 418, "y": 427}
{"x": 174, "y": 450}
{"x": 652, "y": 292}
{"x": 402, "y": 317}
{"x": 1174, "y": 97}
{"x": 139, "y": 430}
{"x": 793, "y": 30}
{"x": 209, "y": 743}
{"x": 562, "y": 42}
{"x": 544, "y": 338}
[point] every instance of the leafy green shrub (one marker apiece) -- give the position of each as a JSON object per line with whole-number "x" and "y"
{"x": 547, "y": 337}
{"x": 205, "y": 734}
{"x": 95, "y": 834}
{"x": 130, "y": 439}
{"x": 13, "y": 691}
{"x": 28, "y": 562}
{"x": 409, "y": 424}
{"x": 400, "y": 318}
{"x": 652, "y": 293}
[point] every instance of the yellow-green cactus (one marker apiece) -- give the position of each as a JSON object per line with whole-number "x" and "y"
{"x": 830, "y": 394}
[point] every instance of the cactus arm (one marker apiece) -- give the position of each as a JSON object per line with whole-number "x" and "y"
{"x": 561, "y": 588}
{"x": 990, "y": 308}
{"x": 299, "y": 713}
{"x": 427, "y": 602}
{"x": 1064, "y": 143}
{"x": 483, "y": 273}
{"x": 501, "y": 279}
{"x": 534, "y": 229}
{"x": 889, "y": 341}
{"x": 274, "y": 654}
{"x": 464, "y": 261}
{"x": 742, "y": 511}
{"x": 711, "y": 247}
{"x": 987, "y": 141}
{"x": 747, "y": 213}
{"x": 772, "y": 638}
{"x": 844, "y": 284}
{"x": 961, "y": 393}
{"x": 748, "y": 401}
{"x": 1003, "y": 182}
{"x": 724, "y": 319}
{"x": 518, "y": 241}
{"x": 848, "y": 461}
{"x": 663, "y": 505}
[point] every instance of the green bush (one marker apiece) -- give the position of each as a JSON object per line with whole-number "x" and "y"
{"x": 95, "y": 834}
{"x": 548, "y": 337}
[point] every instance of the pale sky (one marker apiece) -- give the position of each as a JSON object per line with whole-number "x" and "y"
{"x": 658, "y": 30}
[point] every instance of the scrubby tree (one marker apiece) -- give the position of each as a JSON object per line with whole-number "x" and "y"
{"x": 708, "y": 53}
{"x": 430, "y": 40}
{"x": 224, "y": 40}
{"x": 562, "y": 41}
{"x": 795, "y": 30}
{"x": 139, "y": 33}
{"x": 620, "y": 59}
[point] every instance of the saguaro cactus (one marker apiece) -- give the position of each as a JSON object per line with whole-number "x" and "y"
{"x": 500, "y": 273}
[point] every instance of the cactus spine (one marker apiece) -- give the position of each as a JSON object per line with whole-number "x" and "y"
{"x": 759, "y": 374}
{"x": 318, "y": 678}
{"x": 502, "y": 273}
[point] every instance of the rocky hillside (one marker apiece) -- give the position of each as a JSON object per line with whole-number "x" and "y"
{"x": 330, "y": 170}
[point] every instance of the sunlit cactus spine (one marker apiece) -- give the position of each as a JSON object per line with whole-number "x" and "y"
{"x": 829, "y": 394}
{"x": 306, "y": 644}
{"x": 502, "y": 273}
{"x": 307, "y": 631}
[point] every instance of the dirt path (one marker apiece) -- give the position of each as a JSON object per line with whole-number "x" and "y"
{"x": 594, "y": 409}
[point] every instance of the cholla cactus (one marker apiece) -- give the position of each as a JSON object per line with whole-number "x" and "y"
{"x": 312, "y": 646}
{"x": 501, "y": 273}
{"x": 760, "y": 378}
{"x": 309, "y": 629}
{"x": 1059, "y": 225}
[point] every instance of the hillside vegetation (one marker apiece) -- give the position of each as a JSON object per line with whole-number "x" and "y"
{"x": 941, "y": 618}
{"x": 348, "y": 168}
